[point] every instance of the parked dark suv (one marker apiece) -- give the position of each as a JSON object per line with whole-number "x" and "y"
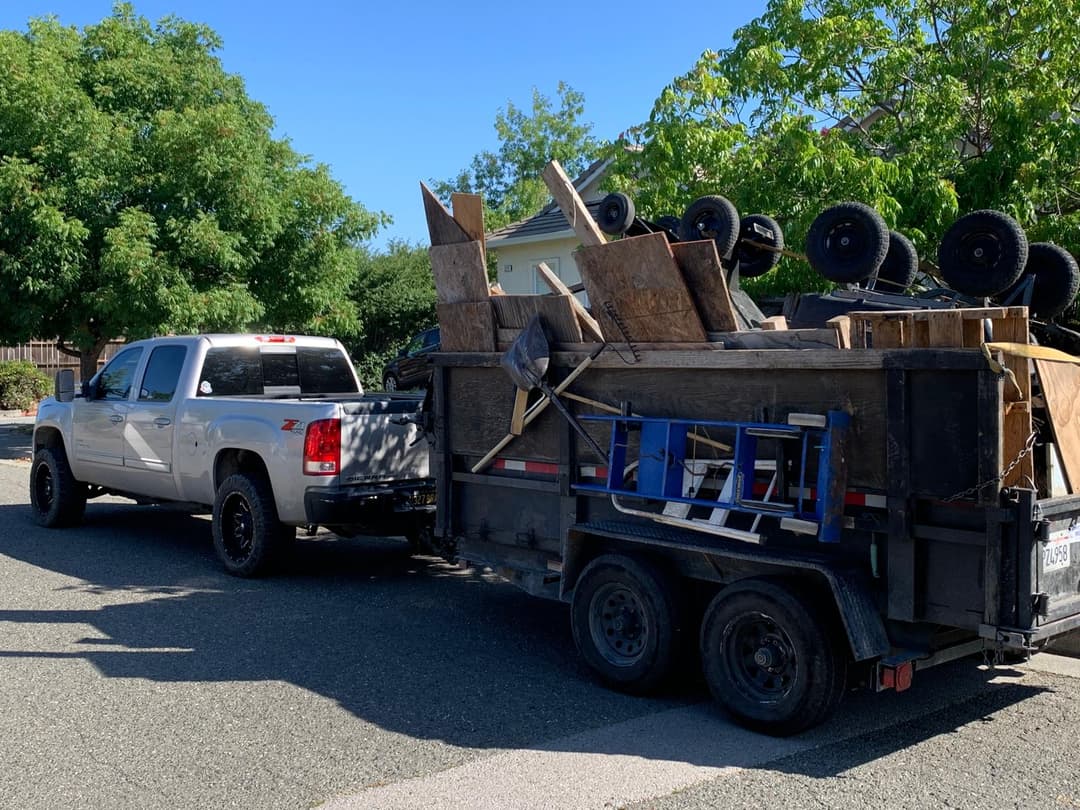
{"x": 411, "y": 369}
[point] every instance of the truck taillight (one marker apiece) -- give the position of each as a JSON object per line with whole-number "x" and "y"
{"x": 322, "y": 447}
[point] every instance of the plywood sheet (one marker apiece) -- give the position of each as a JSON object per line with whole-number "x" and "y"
{"x": 460, "y": 273}
{"x": 704, "y": 277}
{"x": 442, "y": 229}
{"x": 469, "y": 214}
{"x": 515, "y": 312}
{"x": 638, "y": 281}
{"x": 1060, "y": 385}
{"x": 466, "y": 327}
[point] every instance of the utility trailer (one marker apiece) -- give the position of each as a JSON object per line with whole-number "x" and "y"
{"x": 908, "y": 524}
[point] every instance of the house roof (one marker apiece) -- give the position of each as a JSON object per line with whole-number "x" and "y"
{"x": 550, "y": 220}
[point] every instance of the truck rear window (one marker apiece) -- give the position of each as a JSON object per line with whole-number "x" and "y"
{"x": 246, "y": 371}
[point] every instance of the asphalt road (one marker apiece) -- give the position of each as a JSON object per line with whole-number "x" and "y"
{"x": 136, "y": 674}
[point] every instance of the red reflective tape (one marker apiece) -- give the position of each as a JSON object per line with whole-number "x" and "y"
{"x": 538, "y": 467}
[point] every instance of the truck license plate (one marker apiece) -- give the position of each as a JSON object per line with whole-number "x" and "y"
{"x": 1055, "y": 556}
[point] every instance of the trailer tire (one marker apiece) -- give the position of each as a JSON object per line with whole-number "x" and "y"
{"x": 770, "y": 658}
{"x": 900, "y": 267}
{"x": 712, "y": 217}
{"x": 56, "y": 498}
{"x": 847, "y": 243}
{"x": 616, "y": 214}
{"x": 1056, "y": 280}
{"x": 248, "y": 537}
{"x": 983, "y": 253}
{"x": 625, "y": 620}
{"x": 756, "y": 261}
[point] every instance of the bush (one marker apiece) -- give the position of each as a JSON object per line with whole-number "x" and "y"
{"x": 21, "y": 385}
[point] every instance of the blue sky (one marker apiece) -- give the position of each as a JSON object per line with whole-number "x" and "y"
{"x": 388, "y": 95}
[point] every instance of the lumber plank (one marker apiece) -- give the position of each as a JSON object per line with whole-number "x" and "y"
{"x": 841, "y": 324}
{"x": 515, "y": 312}
{"x": 517, "y": 417}
{"x": 1016, "y": 421}
{"x": 1060, "y": 382}
{"x": 467, "y": 326}
{"x": 442, "y": 228}
{"x": 704, "y": 276}
{"x": 638, "y": 281}
{"x": 946, "y": 328}
{"x": 776, "y": 323}
{"x": 460, "y": 273}
{"x": 469, "y": 214}
{"x": 589, "y": 324}
{"x": 572, "y": 206}
{"x": 782, "y": 339}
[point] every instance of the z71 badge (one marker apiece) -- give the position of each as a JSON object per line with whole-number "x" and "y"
{"x": 293, "y": 426}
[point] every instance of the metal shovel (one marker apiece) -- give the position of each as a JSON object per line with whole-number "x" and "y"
{"x": 527, "y": 362}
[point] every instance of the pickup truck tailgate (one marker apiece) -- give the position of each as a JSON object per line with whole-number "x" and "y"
{"x": 381, "y": 440}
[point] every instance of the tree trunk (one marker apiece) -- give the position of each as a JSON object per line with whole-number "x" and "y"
{"x": 88, "y": 364}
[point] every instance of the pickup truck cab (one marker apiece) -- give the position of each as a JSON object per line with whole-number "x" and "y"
{"x": 271, "y": 432}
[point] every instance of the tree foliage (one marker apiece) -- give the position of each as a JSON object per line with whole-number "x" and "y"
{"x": 509, "y": 179}
{"x": 394, "y": 295}
{"x": 141, "y": 192}
{"x": 924, "y": 109}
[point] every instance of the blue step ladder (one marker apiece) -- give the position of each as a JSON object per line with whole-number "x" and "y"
{"x": 665, "y": 472}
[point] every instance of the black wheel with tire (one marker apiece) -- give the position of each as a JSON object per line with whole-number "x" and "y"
{"x": 900, "y": 267}
{"x": 56, "y": 498}
{"x": 670, "y": 224}
{"x": 616, "y": 214}
{"x": 390, "y": 383}
{"x": 248, "y": 537}
{"x": 754, "y": 230}
{"x": 847, "y": 242}
{"x": 1056, "y": 280}
{"x": 983, "y": 253}
{"x": 712, "y": 217}
{"x": 770, "y": 657}
{"x": 624, "y": 617}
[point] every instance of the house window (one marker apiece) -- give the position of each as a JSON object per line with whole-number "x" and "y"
{"x": 538, "y": 283}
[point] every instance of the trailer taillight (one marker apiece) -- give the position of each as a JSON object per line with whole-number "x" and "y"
{"x": 322, "y": 447}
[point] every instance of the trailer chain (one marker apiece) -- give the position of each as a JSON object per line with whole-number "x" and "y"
{"x": 1029, "y": 446}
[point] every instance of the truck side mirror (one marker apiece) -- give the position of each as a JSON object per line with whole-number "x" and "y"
{"x": 64, "y": 385}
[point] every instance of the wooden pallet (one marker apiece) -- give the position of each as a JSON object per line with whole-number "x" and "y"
{"x": 965, "y": 329}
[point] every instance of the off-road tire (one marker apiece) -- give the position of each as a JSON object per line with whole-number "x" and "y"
{"x": 1056, "y": 280}
{"x": 756, "y": 261}
{"x": 712, "y": 217}
{"x": 983, "y": 253}
{"x": 616, "y": 214}
{"x": 248, "y": 537}
{"x": 900, "y": 267}
{"x": 847, "y": 242}
{"x": 56, "y": 498}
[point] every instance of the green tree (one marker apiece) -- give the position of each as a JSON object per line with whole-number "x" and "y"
{"x": 509, "y": 179}
{"x": 924, "y": 109}
{"x": 394, "y": 295}
{"x": 141, "y": 192}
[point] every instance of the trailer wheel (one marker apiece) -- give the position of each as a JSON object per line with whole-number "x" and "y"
{"x": 983, "y": 253}
{"x": 625, "y": 619}
{"x": 56, "y": 498}
{"x": 248, "y": 537}
{"x": 616, "y": 214}
{"x": 847, "y": 242}
{"x": 1056, "y": 280}
{"x": 670, "y": 224}
{"x": 756, "y": 261}
{"x": 900, "y": 267}
{"x": 770, "y": 658}
{"x": 712, "y": 217}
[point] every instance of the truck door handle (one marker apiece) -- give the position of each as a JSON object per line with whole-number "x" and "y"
{"x": 163, "y": 421}
{"x": 117, "y": 418}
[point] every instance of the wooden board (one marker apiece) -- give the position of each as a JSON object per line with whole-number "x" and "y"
{"x": 571, "y": 205}
{"x": 639, "y": 280}
{"x": 589, "y": 324}
{"x": 460, "y": 273}
{"x": 779, "y": 339}
{"x": 466, "y": 327}
{"x": 442, "y": 229}
{"x": 704, "y": 276}
{"x": 469, "y": 214}
{"x": 1060, "y": 383}
{"x": 1016, "y": 424}
{"x": 515, "y": 312}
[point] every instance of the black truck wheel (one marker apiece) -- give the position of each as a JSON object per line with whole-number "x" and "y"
{"x": 248, "y": 537}
{"x": 1055, "y": 280}
{"x": 770, "y": 657}
{"x": 982, "y": 253}
{"x": 624, "y": 619}
{"x": 712, "y": 217}
{"x": 900, "y": 267}
{"x": 847, "y": 242}
{"x": 56, "y": 498}
{"x": 758, "y": 229}
{"x": 616, "y": 214}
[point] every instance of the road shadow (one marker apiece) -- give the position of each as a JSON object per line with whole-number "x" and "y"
{"x": 16, "y": 441}
{"x": 411, "y": 644}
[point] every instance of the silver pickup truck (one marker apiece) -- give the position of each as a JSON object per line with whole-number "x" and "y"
{"x": 271, "y": 431}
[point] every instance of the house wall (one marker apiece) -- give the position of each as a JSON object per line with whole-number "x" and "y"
{"x": 517, "y": 264}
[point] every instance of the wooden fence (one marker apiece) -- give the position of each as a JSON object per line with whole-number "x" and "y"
{"x": 45, "y": 355}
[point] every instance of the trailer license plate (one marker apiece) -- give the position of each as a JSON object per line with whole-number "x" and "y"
{"x": 1055, "y": 556}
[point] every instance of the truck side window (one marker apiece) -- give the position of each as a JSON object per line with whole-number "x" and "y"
{"x": 231, "y": 371}
{"x": 162, "y": 374}
{"x": 115, "y": 381}
{"x": 324, "y": 371}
